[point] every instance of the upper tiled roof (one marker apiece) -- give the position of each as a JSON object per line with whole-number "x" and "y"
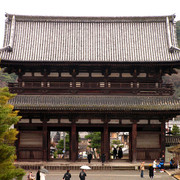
{"x": 90, "y": 39}
{"x": 107, "y": 103}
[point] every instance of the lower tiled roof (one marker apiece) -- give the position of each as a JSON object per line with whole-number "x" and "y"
{"x": 96, "y": 102}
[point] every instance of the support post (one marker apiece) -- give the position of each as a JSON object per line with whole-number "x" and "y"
{"x": 74, "y": 144}
{"x": 45, "y": 140}
{"x": 134, "y": 141}
{"x": 105, "y": 141}
{"x": 163, "y": 137}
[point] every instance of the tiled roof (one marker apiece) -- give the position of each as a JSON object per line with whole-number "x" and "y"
{"x": 90, "y": 39}
{"x": 109, "y": 103}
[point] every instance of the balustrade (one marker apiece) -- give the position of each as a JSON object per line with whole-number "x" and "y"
{"x": 112, "y": 87}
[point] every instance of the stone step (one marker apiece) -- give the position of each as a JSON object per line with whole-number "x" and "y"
{"x": 76, "y": 167}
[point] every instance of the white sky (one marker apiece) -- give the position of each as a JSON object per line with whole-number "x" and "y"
{"x": 87, "y": 8}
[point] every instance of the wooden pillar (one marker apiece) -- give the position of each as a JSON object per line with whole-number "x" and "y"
{"x": 73, "y": 143}
{"x": 48, "y": 145}
{"x": 17, "y": 143}
{"x": 45, "y": 140}
{"x": 130, "y": 146}
{"x": 134, "y": 141}
{"x": 105, "y": 141}
{"x": 163, "y": 137}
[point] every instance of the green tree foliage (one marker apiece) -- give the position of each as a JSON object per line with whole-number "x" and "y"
{"x": 60, "y": 145}
{"x": 8, "y": 117}
{"x": 7, "y": 78}
{"x": 95, "y": 141}
{"x": 116, "y": 142}
{"x": 175, "y": 130}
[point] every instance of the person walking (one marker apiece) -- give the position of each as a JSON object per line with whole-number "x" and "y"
{"x": 82, "y": 175}
{"x": 67, "y": 175}
{"x": 38, "y": 175}
{"x": 120, "y": 153}
{"x": 151, "y": 171}
{"x": 30, "y": 176}
{"x": 103, "y": 159}
{"x": 155, "y": 165}
{"x": 89, "y": 157}
{"x": 42, "y": 176}
{"x": 142, "y": 169}
{"x": 114, "y": 153}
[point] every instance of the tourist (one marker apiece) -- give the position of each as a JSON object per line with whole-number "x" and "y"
{"x": 172, "y": 164}
{"x": 42, "y": 176}
{"x": 151, "y": 171}
{"x": 38, "y": 175}
{"x": 161, "y": 164}
{"x": 142, "y": 169}
{"x": 155, "y": 165}
{"x": 114, "y": 153}
{"x": 67, "y": 175}
{"x": 30, "y": 176}
{"x": 103, "y": 159}
{"x": 82, "y": 175}
{"x": 89, "y": 157}
{"x": 120, "y": 153}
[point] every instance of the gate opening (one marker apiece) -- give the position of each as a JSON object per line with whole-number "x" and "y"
{"x": 59, "y": 145}
{"x": 119, "y": 145}
{"x": 89, "y": 145}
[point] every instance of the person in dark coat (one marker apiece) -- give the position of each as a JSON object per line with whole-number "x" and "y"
{"x": 114, "y": 153}
{"x": 120, "y": 153}
{"x": 172, "y": 164}
{"x": 89, "y": 157}
{"x": 103, "y": 159}
{"x": 82, "y": 175}
{"x": 67, "y": 175}
{"x": 151, "y": 171}
{"x": 38, "y": 175}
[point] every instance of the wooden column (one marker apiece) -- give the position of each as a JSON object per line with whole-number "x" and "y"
{"x": 105, "y": 141}
{"x": 45, "y": 140}
{"x": 17, "y": 142}
{"x": 48, "y": 145}
{"x": 162, "y": 137}
{"x": 134, "y": 141}
{"x": 73, "y": 143}
{"x": 130, "y": 146}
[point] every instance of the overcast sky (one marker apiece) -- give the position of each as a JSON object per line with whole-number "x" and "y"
{"x": 87, "y": 8}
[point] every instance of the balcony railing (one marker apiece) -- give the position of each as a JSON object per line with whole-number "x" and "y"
{"x": 172, "y": 140}
{"x": 91, "y": 87}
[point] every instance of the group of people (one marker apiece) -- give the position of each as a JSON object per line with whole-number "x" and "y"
{"x": 152, "y": 168}
{"x": 67, "y": 175}
{"x": 103, "y": 158}
{"x": 39, "y": 176}
{"x": 117, "y": 153}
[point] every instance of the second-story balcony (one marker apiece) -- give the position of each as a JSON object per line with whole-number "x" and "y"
{"x": 91, "y": 88}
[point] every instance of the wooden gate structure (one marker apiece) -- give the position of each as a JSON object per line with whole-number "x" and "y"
{"x": 91, "y": 74}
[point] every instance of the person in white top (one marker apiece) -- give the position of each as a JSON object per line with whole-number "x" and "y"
{"x": 42, "y": 176}
{"x": 155, "y": 165}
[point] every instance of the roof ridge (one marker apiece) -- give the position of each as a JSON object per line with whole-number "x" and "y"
{"x": 91, "y": 18}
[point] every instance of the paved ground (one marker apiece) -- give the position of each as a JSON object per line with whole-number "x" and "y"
{"x": 106, "y": 175}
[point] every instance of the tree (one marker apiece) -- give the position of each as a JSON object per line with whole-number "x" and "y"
{"x": 175, "y": 130}
{"x": 60, "y": 145}
{"x": 95, "y": 141}
{"x": 116, "y": 142}
{"x": 8, "y": 117}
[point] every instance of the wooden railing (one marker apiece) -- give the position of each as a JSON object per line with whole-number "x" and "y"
{"x": 172, "y": 140}
{"x": 91, "y": 87}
